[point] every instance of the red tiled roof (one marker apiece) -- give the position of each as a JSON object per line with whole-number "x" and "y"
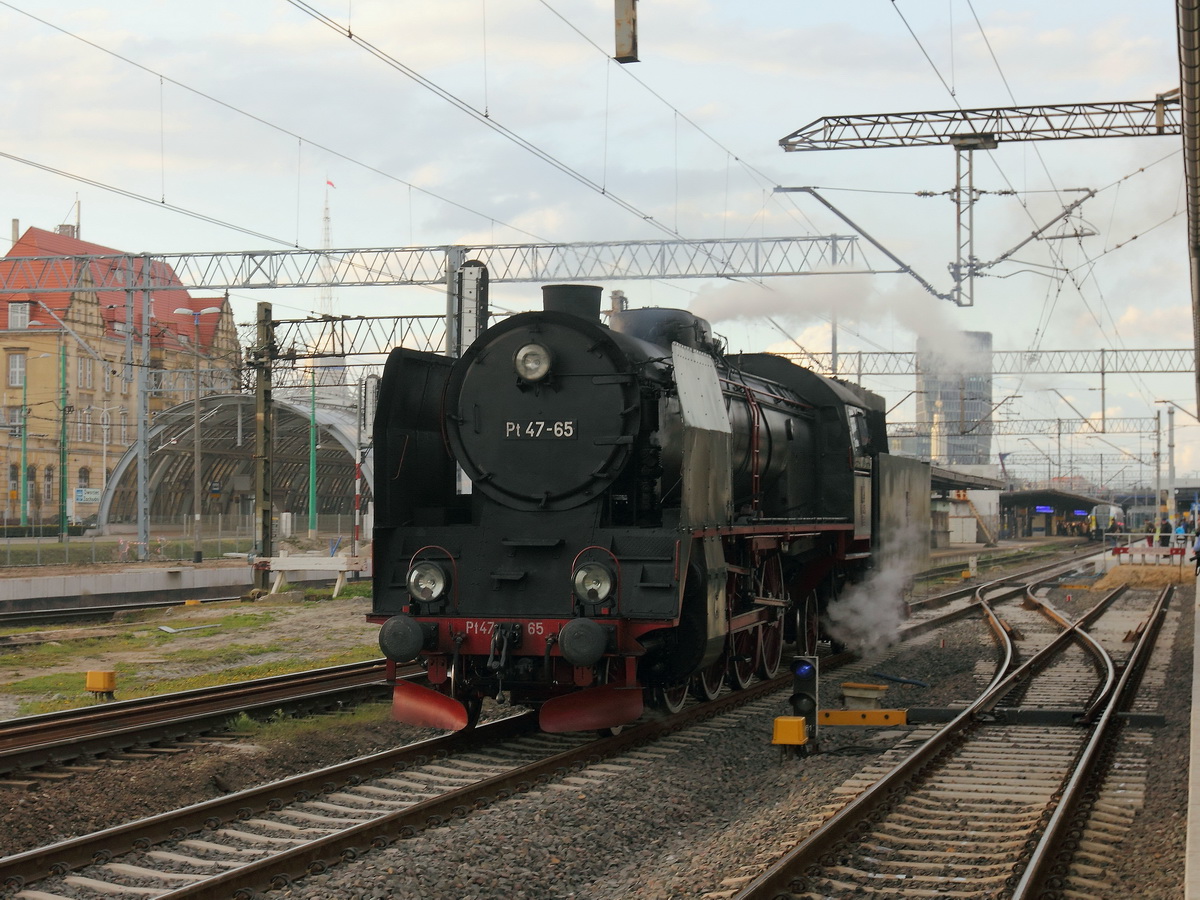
{"x": 37, "y": 242}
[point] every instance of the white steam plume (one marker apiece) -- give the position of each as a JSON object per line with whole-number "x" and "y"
{"x": 868, "y": 615}
{"x": 798, "y": 302}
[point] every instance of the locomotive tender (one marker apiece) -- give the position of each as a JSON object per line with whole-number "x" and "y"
{"x": 590, "y": 519}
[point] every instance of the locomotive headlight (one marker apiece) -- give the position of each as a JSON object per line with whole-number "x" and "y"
{"x": 426, "y": 581}
{"x": 532, "y": 362}
{"x": 593, "y": 583}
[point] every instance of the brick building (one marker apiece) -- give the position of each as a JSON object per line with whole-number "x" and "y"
{"x": 71, "y": 360}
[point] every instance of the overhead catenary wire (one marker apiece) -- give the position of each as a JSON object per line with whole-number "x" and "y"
{"x": 479, "y": 116}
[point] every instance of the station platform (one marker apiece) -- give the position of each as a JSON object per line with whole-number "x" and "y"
{"x": 95, "y": 585}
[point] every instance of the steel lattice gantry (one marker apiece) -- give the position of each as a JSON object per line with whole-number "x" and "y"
{"x": 268, "y": 269}
{"x": 857, "y": 364}
{"x": 1012, "y": 123}
{"x": 968, "y": 130}
{"x": 1010, "y": 427}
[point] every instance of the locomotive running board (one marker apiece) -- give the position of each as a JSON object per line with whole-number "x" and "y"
{"x": 592, "y": 709}
{"x": 416, "y": 705}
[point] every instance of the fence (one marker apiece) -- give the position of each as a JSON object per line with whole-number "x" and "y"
{"x": 172, "y": 540}
{"x": 1150, "y": 548}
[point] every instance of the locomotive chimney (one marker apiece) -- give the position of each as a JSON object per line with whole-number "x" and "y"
{"x": 581, "y": 300}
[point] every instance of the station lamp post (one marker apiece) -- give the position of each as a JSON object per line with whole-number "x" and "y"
{"x": 197, "y": 545}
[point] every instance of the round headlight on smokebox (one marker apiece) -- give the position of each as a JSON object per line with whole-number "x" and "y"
{"x": 532, "y": 362}
{"x": 427, "y": 581}
{"x": 593, "y": 582}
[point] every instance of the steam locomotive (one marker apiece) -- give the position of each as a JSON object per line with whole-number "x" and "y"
{"x": 591, "y": 519}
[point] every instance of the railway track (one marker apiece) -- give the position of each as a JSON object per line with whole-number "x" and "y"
{"x": 153, "y": 724}
{"x": 14, "y": 618}
{"x": 266, "y": 836}
{"x": 1003, "y": 801}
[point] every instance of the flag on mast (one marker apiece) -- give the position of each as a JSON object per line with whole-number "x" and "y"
{"x": 331, "y": 184}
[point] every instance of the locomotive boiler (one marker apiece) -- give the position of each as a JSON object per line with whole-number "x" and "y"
{"x": 590, "y": 519}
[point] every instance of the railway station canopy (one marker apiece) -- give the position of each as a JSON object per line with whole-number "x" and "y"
{"x": 1049, "y": 500}
{"x": 943, "y": 479}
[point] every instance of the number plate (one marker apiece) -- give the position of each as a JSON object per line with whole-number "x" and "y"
{"x": 561, "y": 429}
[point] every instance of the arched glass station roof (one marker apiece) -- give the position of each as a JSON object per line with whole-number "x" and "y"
{"x": 227, "y": 426}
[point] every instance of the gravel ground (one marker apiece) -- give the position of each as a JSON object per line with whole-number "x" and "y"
{"x": 708, "y": 814}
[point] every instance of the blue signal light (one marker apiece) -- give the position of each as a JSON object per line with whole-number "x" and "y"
{"x": 802, "y": 668}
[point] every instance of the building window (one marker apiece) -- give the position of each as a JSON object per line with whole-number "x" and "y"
{"x": 14, "y": 477}
{"x": 108, "y": 376}
{"x": 84, "y": 368}
{"x": 18, "y": 315}
{"x": 16, "y": 369}
{"x": 85, "y": 477}
{"x": 48, "y": 485}
{"x": 79, "y": 425}
{"x": 124, "y": 426}
{"x": 87, "y": 425}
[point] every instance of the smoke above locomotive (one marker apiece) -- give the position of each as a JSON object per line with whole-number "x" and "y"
{"x": 592, "y": 519}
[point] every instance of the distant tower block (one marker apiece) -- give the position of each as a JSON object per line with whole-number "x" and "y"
{"x": 954, "y": 388}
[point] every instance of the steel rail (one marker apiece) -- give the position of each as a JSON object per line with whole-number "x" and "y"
{"x": 15, "y": 617}
{"x": 13, "y": 731}
{"x": 1045, "y": 856}
{"x": 988, "y": 700}
{"x": 1011, "y": 582}
{"x": 57, "y": 738}
{"x": 1103, "y": 659}
{"x": 1015, "y": 576}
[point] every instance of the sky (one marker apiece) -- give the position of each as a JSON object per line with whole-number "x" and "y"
{"x": 174, "y": 127}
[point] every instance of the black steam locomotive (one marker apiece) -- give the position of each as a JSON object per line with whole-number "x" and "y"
{"x": 590, "y": 519}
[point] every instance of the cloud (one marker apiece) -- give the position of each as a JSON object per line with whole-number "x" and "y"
{"x": 1141, "y": 326}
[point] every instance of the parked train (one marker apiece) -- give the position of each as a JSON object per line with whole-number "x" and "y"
{"x": 1104, "y": 519}
{"x": 590, "y": 519}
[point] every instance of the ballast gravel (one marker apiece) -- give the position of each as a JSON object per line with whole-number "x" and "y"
{"x": 694, "y": 817}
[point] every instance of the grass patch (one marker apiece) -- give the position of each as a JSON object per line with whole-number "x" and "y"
{"x": 147, "y": 637}
{"x": 349, "y": 589}
{"x": 279, "y": 726}
{"x": 67, "y": 690}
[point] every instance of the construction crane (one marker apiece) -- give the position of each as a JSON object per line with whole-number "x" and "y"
{"x": 968, "y": 130}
